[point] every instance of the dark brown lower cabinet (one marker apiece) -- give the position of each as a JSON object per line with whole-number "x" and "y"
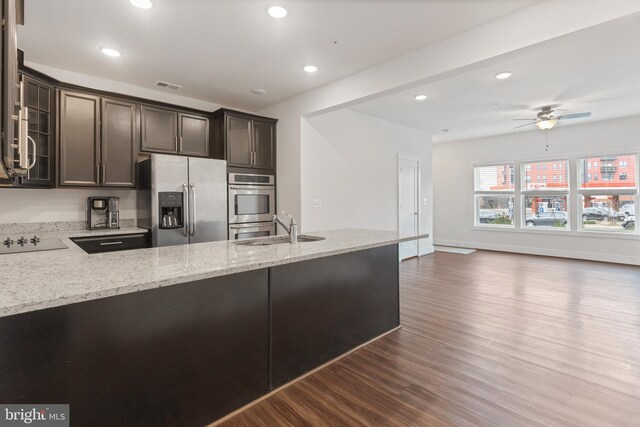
{"x": 188, "y": 354}
{"x": 324, "y": 307}
{"x": 181, "y": 355}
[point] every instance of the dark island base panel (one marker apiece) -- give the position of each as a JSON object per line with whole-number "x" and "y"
{"x": 325, "y": 307}
{"x": 182, "y": 355}
{"x": 189, "y": 354}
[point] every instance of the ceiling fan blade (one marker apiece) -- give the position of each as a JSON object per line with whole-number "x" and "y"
{"x": 531, "y": 120}
{"x": 574, "y": 116}
{"x": 527, "y": 124}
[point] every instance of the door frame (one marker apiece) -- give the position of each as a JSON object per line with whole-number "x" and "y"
{"x": 418, "y": 193}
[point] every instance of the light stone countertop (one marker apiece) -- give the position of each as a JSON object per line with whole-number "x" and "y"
{"x": 38, "y": 280}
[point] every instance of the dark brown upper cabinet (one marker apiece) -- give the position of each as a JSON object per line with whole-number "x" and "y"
{"x": 120, "y": 139}
{"x": 193, "y": 135}
{"x": 39, "y": 98}
{"x": 79, "y": 139}
{"x": 244, "y": 140}
{"x": 173, "y": 132}
{"x": 98, "y": 141}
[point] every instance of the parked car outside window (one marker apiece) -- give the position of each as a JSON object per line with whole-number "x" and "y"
{"x": 598, "y": 214}
{"x": 547, "y": 219}
{"x": 628, "y": 209}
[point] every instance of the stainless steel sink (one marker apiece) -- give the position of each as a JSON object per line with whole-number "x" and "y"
{"x": 276, "y": 240}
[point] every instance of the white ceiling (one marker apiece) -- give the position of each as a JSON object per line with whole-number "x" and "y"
{"x": 219, "y": 50}
{"x": 597, "y": 70}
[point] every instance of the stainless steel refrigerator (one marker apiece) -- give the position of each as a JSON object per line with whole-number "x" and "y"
{"x": 182, "y": 199}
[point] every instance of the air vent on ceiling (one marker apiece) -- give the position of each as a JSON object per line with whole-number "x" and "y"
{"x": 168, "y": 85}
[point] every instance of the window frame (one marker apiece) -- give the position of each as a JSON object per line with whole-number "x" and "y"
{"x": 580, "y": 192}
{"x": 546, "y": 192}
{"x": 480, "y": 193}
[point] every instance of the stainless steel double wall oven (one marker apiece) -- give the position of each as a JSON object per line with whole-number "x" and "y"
{"x": 252, "y": 205}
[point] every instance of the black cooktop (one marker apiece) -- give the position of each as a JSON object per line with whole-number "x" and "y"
{"x": 13, "y": 245}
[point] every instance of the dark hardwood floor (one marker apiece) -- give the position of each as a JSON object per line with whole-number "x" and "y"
{"x": 488, "y": 339}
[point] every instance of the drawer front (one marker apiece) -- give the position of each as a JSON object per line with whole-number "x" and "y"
{"x": 121, "y": 242}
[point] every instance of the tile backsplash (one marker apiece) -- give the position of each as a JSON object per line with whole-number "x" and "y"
{"x": 18, "y": 205}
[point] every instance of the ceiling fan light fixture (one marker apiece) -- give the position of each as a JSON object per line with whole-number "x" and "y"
{"x": 277, "y": 11}
{"x": 546, "y": 124}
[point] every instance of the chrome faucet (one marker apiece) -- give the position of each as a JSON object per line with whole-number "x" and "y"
{"x": 292, "y": 229}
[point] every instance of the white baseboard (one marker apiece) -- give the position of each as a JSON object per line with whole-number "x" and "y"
{"x": 426, "y": 249}
{"x": 590, "y": 256}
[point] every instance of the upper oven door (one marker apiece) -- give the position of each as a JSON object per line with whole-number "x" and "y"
{"x": 251, "y": 203}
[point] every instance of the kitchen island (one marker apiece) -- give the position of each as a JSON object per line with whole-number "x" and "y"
{"x": 183, "y": 335}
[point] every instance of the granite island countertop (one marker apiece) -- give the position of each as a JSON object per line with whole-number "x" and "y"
{"x": 47, "y": 279}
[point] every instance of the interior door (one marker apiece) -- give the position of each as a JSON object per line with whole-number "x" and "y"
{"x": 408, "y": 208}
{"x": 208, "y": 199}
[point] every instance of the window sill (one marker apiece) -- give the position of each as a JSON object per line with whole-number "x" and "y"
{"x": 549, "y": 232}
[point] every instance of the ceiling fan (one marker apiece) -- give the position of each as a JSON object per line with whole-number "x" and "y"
{"x": 548, "y": 116}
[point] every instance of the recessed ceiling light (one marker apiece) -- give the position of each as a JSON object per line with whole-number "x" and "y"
{"x": 503, "y": 75}
{"x": 109, "y": 51}
{"x": 311, "y": 68}
{"x": 142, "y": 4}
{"x": 259, "y": 91}
{"x": 420, "y": 97}
{"x": 277, "y": 11}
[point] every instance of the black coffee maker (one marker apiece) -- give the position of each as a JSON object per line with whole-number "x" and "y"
{"x": 103, "y": 212}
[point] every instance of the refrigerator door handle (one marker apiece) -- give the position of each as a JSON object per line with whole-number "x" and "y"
{"x": 185, "y": 215}
{"x": 194, "y": 221}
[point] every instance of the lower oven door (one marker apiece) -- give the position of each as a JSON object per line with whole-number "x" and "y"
{"x": 250, "y": 231}
{"x": 251, "y": 203}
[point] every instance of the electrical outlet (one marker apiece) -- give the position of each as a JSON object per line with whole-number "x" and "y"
{"x": 317, "y": 203}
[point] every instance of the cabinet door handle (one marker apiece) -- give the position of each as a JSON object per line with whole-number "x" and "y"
{"x": 97, "y": 174}
{"x": 176, "y": 138}
{"x": 110, "y": 243}
{"x": 104, "y": 174}
{"x": 181, "y": 144}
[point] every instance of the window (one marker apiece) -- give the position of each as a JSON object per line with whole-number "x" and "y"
{"x": 545, "y": 203}
{"x": 595, "y": 176}
{"x": 601, "y": 202}
{"x": 589, "y": 165}
{"x": 494, "y": 194}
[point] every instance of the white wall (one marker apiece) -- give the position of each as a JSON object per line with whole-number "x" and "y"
{"x": 31, "y": 205}
{"x": 453, "y": 189}
{"x": 350, "y": 162}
